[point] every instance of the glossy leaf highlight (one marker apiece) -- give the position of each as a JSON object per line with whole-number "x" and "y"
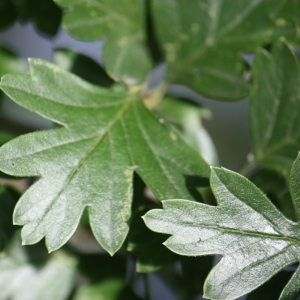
{"x": 88, "y": 163}
{"x": 255, "y": 239}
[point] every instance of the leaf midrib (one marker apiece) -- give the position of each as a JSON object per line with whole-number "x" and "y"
{"x": 114, "y": 102}
{"x": 111, "y": 12}
{"x": 84, "y": 158}
{"x": 236, "y": 231}
{"x": 148, "y": 142}
{"x": 206, "y": 47}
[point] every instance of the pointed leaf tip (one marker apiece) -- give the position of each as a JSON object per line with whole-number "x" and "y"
{"x": 245, "y": 228}
{"x": 88, "y": 161}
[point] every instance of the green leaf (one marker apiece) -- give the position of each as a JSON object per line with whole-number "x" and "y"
{"x": 111, "y": 289}
{"x": 186, "y": 117}
{"x": 203, "y": 41}
{"x": 275, "y": 187}
{"x": 89, "y": 162}
{"x": 9, "y": 62}
{"x": 292, "y": 290}
{"x": 121, "y": 23}
{"x": 5, "y": 137}
{"x": 275, "y": 107}
{"x": 255, "y": 239}
{"x": 272, "y": 289}
{"x": 291, "y": 12}
{"x": 82, "y": 66}
{"x": 23, "y": 276}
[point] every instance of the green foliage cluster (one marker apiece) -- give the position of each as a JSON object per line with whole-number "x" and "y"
{"x": 129, "y": 170}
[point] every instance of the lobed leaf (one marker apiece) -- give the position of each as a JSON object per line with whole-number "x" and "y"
{"x": 26, "y": 274}
{"x": 274, "y": 108}
{"x": 255, "y": 239}
{"x": 89, "y": 162}
{"x": 291, "y": 12}
{"x": 121, "y": 24}
{"x": 291, "y": 290}
{"x": 203, "y": 41}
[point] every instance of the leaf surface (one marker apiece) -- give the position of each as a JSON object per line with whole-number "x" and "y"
{"x": 291, "y": 13}
{"x": 275, "y": 107}
{"x": 203, "y": 41}
{"x": 255, "y": 239}
{"x": 89, "y": 162}
{"x": 186, "y": 117}
{"x": 110, "y": 289}
{"x": 9, "y": 62}
{"x": 120, "y": 23}
{"x": 28, "y": 273}
{"x": 292, "y": 290}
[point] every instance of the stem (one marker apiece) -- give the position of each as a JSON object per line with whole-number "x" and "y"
{"x": 154, "y": 98}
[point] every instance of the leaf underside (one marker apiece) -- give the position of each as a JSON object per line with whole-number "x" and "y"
{"x": 88, "y": 162}
{"x": 29, "y": 273}
{"x": 255, "y": 239}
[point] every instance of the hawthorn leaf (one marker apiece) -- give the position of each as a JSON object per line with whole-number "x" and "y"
{"x": 186, "y": 117}
{"x": 272, "y": 289}
{"x": 203, "y": 41}
{"x": 121, "y": 24}
{"x": 9, "y": 61}
{"x": 274, "y": 185}
{"x": 291, "y": 12}
{"x": 88, "y": 162}
{"x": 254, "y": 238}
{"x": 295, "y": 186}
{"x": 292, "y": 289}
{"x": 26, "y": 273}
{"x": 275, "y": 107}
{"x": 110, "y": 289}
